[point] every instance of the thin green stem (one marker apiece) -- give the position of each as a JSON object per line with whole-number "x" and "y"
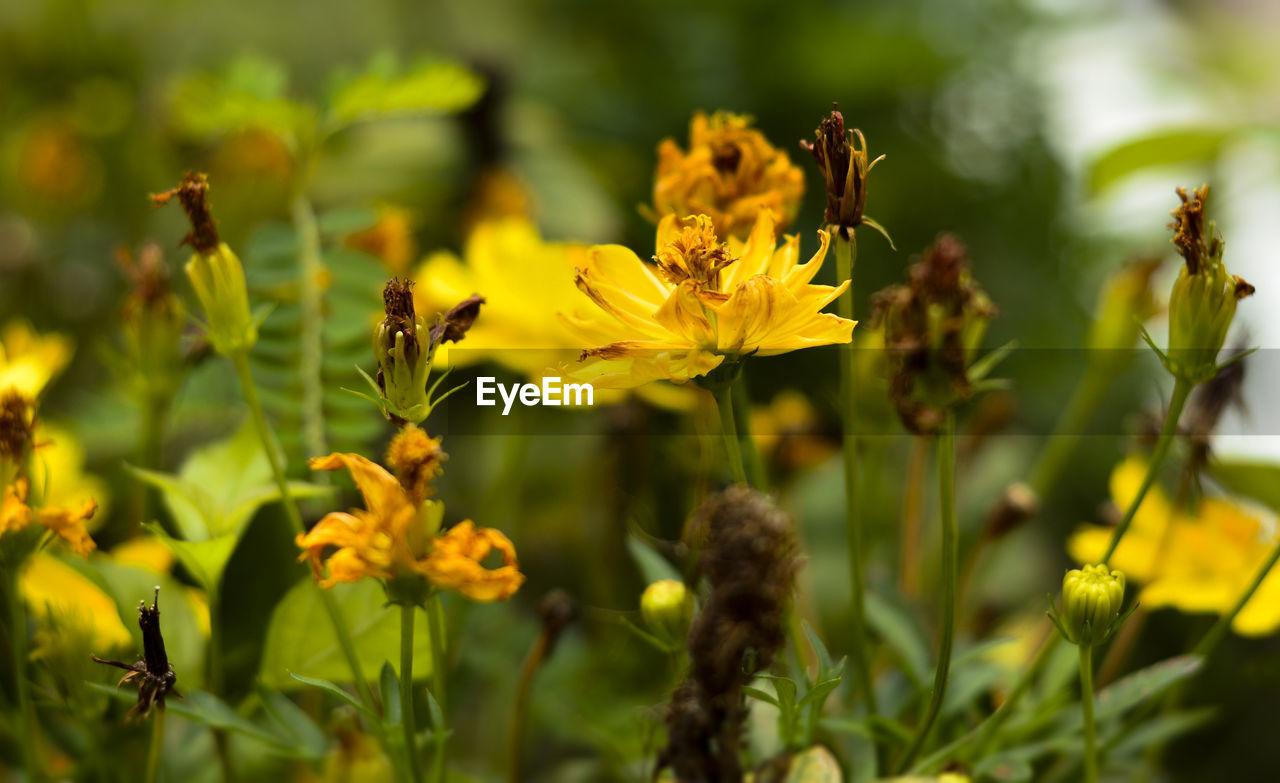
{"x": 1086, "y": 707}
{"x": 950, "y": 547}
{"x": 340, "y": 630}
{"x": 515, "y": 735}
{"x": 311, "y": 341}
{"x": 406, "y": 692}
{"x": 1181, "y": 390}
{"x": 723, "y": 394}
{"x": 435, "y": 622}
{"x": 1219, "y": 630}
{"x": 150, "y": 443}
{"x": 26, "y": 722}
{"x": 846, "y": 253}
{"x": 984, "y": 732}
{"x": 746, "y": 443}
{"x": 155, "y": 751}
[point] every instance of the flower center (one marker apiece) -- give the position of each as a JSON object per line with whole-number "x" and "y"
{"x": 695, "y": 254}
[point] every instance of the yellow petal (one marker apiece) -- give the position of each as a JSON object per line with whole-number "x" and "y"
{"x": 383, "y": 495}
{"x": 455, "y": 563}
{"x": 57, "y": 592}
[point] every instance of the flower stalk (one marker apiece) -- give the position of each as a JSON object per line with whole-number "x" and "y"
{"x": 950, "y": 556}
{"x": 1086, "y": 706}
{"x": 436, "y": 626}
{"x": 26, "y": 723}
{"x": 406, "y": 692}
{"x": 155, "y": 749}
{"x": 723, "y": 393}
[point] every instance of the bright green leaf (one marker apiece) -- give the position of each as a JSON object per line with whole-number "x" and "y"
{"x": 1162, "y": 148}
{"x": 433, "y": 88}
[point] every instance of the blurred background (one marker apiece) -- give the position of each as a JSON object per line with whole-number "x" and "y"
{"x": 1049, "y": 134}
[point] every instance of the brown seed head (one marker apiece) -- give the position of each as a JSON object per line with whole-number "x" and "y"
{"x": 193, "y": 194}
{"x": 416, "y": 460}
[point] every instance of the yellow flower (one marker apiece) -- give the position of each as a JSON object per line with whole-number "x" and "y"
{"x": 393, "y": 537}
{"x": 1194, "y": 563}
{"x": 730, "y": 173}
{"x": 58, "y": 469}
{"x": 704, "y": 301}
{"x": 68, "y": 523}
{"x": 29, "y": 361}
{"x": 57, "y": 592}
{"x": 390, "y": 239}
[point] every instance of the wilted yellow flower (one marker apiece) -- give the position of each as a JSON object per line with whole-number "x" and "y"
{"x": 29, "y": 361}
{"x": 703, "y": 301}
{"x": 395, "y": 537}
{"x": 55, "y": 591}
{"x": 731, "y": 173}
{"x": 1194, "y": 563}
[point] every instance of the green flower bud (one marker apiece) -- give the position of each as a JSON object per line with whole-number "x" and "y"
{"x": 214, "y": 271}
{"x": 1091, "y": 600}
{"x": 1203, "y": 302}
{"x": 667, "y": 608}
{"x": 1123, "y": 304}
{"x": 403, "y": 347}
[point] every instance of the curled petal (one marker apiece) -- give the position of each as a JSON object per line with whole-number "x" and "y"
{"x": 69, "y": 524}
{"x": 383, "y": 495}
{"x": 455, "y": 563}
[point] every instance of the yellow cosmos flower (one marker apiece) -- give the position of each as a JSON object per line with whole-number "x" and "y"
{"x": 1198, "y": 563}
{"x": 67, "y": 523}
{"x": 393, "y": 537}
{"x": 703, "y": 301}
{"x": 731, "y": 173}
{"x": 56, "y": 592}
{"x": 29, "y": 361}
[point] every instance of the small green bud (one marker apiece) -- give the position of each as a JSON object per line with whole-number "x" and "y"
{"x": 214, "y": 271}
{"x": 1203, "y": 301}
{"x": 1091, "y": 600}
{"x": 667, "y": 608}
{"x": 403, "y": 347}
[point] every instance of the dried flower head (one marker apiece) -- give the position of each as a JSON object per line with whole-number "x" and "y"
{"x": 417, "y": 459}
{"x": 730, "y": 173}
{"x": 153, "y": 673}
{"x": 845, "y": 166}
{"x": 933, "y": 325}
{"x": 749, "y": 560}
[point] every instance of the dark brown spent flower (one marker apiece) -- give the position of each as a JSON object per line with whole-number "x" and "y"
{"x": 558, "y": 610}
{"x": 1244, "y": 289}
{"x": 154, "y": 674}
{"x": 844, "y": 167}
{"x": 749, "y": 559}
{"x": 417, "y": 460}
{"x": 454, "y": 325}
{"x": 16, "y": 425}
{"x": 1191, "y": 235}
{"x": 931, "y": 325}
{"x": 193, "y": 194}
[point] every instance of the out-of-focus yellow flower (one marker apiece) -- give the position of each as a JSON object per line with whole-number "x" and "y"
{"x": 787, "y": 429}
{"x": 55, "y": 591}
{"x": 28, "y": 361}
{"x": 703, "y": 301}
{"x": 390, "y": 239}
{"x": 1194, "y": 563}
{"x": 68, "y": 523}
{"x": 526, "y": 282}
{"x": 731, "y": 173}
{"x": 395, "y": 537}
{"x": 149, "y": 554}
{"x": 497, "y": 194}
{"x": 58, "y": 470}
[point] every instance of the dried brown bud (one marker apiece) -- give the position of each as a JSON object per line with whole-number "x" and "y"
{"x": 845, "y": 166}
{"x": 1189, "y": 230}
{"x": 193, "y": 194}
{"x": 455, "y": 323}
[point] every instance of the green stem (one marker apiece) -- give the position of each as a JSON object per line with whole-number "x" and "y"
{"x": 435, "y": 623}
{"x": 151, "y": 439}
{"x": 723, "y": 394}
{"x": 950, "y": 539}
{"x": 746, "y": 443}
{"x": 26, "y": 722}
{"x": 515, "y": 735}
{"x": 406, "y": 692}
{"x": 156, "y": 749}
{"x": 311, "y": 341}
{"x": 241, "y": 363}
{"x": 1086, "y": 707}
{"x": 846, "y": 253}
{"x": 983, "y": 733}
{"x": 1219, "y": 630}
{"x": 1181, "y": 390}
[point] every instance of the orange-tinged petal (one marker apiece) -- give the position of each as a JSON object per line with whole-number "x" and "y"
{"x": 14, "y": 512}
{"x": 69, "y": 524}
{"x": 455, "y": 563}
{"x": 383, "y": 495}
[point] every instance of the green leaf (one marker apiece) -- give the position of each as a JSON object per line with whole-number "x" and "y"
{"x": 760, "y": 695}
{"x": 325, "y": 685}
{"x": 899, "y": 630}
{"x": 432, "y": 88}
{"x": 1159, "y": 730}
{"x": 341, "y": 222}
{"x": 206, "y": 560}
{"x": 249, "y": 94}
{"x": 815, "y": 765}
{"x": 293, "y": 723}
{"x": 389, "y": 688}
{"x": 1253, "y": 479}
{"x": 825, "y": 667}
{"x": 653, "y": 566}
{"x": 1162, "y": 148}
{"x": 300, "y": 636}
